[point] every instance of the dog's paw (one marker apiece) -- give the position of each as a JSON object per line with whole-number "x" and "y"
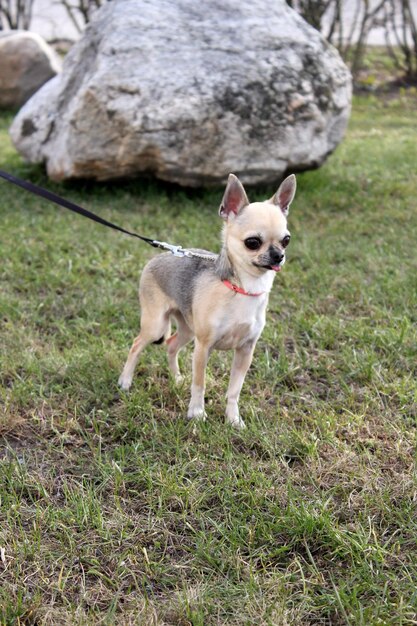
{"x": 124, "y": 383}
{"x": 196, "y": 413}
{"x": 233, "y": 418}
{"x": 236, "y": 422}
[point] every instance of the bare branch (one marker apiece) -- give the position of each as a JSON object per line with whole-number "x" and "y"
{"x": 80, "y": 11}
{"x": 15, "y": 14}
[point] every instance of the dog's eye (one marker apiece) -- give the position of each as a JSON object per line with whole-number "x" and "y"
{"x": 253, "y": 243}
{"x": 285, "y": 241}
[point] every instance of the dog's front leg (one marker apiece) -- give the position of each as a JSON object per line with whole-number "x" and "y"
{"x": 200, "y": 358}
{"x": 241, "y": 363}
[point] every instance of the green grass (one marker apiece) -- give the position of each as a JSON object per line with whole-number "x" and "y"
{"x": 382, "y": 70}
{"x": 114, "y": 509}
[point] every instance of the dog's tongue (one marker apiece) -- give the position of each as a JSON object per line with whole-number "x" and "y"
{"x": 276, "y": 268}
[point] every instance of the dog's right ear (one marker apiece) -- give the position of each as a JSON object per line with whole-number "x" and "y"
{"x": 234, "y": 198}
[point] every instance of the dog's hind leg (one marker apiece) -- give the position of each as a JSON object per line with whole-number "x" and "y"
{"x": 154, "y": 326}
{"x": 182, "y": 336}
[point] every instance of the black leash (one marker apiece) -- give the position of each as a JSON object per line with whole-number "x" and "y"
{"x": 67, "y": 204}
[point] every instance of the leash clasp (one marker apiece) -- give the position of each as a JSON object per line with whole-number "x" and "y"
{"x": 175, "y": 250}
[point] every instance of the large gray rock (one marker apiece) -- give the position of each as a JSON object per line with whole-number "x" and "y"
{"x": 190, "y": 91}
{"x": 26, "y": 63}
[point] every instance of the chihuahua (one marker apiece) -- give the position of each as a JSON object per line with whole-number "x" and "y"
{"x": 219, "y": 301}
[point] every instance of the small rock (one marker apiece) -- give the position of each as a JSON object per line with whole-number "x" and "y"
{"x": 26, "y": 63}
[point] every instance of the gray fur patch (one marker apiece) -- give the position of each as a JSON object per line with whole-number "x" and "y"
{"x": 177, "y": 276}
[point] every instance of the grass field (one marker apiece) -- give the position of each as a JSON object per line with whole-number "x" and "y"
{"x": 114, "y": 509}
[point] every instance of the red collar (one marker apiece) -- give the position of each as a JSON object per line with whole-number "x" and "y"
{"x": 237, "y": 289}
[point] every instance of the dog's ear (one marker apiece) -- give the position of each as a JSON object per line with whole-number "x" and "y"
{"x": 285, "y": 194}
{"x": 234, "y": 198}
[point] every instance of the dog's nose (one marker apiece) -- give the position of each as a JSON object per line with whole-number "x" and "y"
{"x": 276, "y": 256}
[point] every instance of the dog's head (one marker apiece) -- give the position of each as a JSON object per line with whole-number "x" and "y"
{"x": 256, "y": 234}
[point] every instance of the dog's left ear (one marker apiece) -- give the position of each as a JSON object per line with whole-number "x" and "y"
{"x": 234, "y": 198}
{"x": 285, "y": 194}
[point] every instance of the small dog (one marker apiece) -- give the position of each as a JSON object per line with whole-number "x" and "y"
{"x": 219, "y": 302}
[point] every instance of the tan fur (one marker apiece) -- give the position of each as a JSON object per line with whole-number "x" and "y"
{"x": 203, "y": 308}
